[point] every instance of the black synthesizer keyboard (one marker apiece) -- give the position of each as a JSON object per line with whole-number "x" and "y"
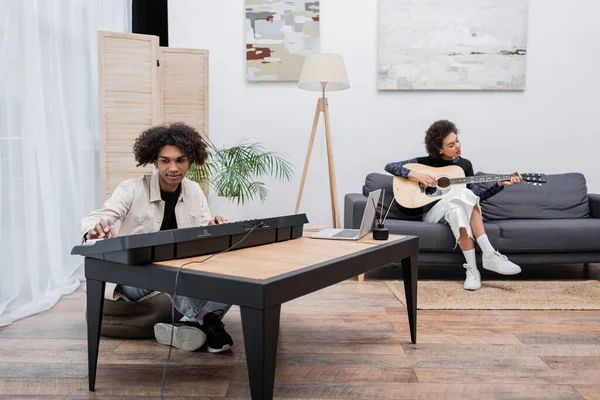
{"x": 147, "y": 248}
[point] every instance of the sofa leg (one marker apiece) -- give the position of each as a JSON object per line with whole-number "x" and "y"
{"x": 361, "y": 278}
{"x": 586, "y": 271}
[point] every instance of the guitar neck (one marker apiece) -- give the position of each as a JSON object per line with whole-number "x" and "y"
{"x": 481, "y": 179}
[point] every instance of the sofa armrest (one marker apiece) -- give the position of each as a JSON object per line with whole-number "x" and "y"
{"x": 354, "y": 208}
{"x": 594, "y": 205}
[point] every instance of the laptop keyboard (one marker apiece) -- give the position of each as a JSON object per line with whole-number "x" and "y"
{"x": 347, "y": 233}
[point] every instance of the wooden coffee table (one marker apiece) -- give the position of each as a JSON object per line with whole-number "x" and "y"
{"x": 258, "y": 279}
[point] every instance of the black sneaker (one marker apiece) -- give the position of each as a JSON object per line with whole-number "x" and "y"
{"x": 187, "y": 335}
{"x": 217, "y": 338}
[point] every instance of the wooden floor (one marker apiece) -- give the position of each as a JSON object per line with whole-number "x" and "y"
{"x": 347, "y": 341}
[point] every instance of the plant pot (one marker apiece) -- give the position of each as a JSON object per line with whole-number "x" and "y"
{"x": 225, "y": 207}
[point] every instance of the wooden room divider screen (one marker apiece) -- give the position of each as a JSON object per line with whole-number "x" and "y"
{"x": 141, "y": 84}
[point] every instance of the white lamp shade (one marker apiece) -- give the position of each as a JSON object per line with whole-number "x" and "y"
{"x": 323, "y": 71}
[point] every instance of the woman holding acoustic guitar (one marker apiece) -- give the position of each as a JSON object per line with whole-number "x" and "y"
{"x": 460, "y": 207}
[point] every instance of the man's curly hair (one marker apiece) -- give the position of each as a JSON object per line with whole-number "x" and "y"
{"x": 434, "y": 138}
{"x": 187, "y": 139}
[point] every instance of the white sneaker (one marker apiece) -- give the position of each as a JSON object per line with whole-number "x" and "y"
{"x": 473, "y": 281}
{"x": 187, "y": 335}
{"x": 499, "y": 263}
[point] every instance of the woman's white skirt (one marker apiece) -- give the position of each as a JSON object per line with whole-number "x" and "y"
{"x": 455, "y": 209}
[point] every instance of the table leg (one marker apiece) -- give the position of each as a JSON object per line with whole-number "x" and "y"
{"x": 410, "y": 274}
{"x": 261, "y": 334}
{"x": 95, "y": 304}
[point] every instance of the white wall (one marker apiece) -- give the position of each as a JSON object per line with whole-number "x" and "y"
{"x": 552, "y": 127}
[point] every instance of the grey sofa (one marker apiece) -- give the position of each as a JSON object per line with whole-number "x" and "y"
{"x": 557, "y": 223}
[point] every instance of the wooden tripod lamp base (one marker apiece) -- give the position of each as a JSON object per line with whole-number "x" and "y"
{"x": 322, "y": 107}
{"x": 323, "y": 72}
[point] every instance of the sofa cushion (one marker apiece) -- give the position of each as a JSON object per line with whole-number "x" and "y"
{"x": 376, "y": 181}
{"x": 547, "y": 235}
{"x": 564, "y": 196}
{"x": 434, "y": 237}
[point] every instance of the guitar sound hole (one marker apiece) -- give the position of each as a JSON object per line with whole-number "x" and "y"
{"x": 443, "y": 182}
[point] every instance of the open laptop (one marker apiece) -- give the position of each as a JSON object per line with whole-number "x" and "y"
{"x": 365, "y": 225}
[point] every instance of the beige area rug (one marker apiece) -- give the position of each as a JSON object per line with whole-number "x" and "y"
{"x": 504, "y": 295}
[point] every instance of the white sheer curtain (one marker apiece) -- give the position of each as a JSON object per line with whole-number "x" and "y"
{"x": 49, "y": 177}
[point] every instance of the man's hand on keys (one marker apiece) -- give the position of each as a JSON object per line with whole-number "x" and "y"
{"x": 101, "y": 231}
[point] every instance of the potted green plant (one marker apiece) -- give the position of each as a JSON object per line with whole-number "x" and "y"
{"x": 233, "y": 174}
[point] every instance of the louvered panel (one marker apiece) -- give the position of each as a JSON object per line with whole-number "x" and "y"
{"x": 121, "y": 166}
{"x": 129, "y": 102}
{"x": 184, "y": 86}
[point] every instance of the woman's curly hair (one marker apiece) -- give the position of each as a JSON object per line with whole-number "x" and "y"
{"x": 187, "y": 139}
{"x": 434, "y": 138}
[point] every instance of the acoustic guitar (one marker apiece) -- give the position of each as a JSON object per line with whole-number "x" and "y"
{"x": 410, "y": 194}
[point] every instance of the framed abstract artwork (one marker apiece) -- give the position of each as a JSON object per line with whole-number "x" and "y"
{"x": 279, "y": 34}
{"x": 452, "y": 44}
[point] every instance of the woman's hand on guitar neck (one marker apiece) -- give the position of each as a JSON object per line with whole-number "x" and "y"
{"x": 515, "y": 179}
{"x": 424, "y": 179}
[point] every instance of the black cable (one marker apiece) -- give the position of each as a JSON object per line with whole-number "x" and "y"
{"x": 162, "y": 385}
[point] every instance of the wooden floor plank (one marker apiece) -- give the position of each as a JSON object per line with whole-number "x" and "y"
{"x": 357, "y": 336}
{"x": 43, "y": 370}
{"x": 150, "y": 374}
{"x": 460, "y": 338}
{"x": 32, "y": 397}
{"x": 97, "y": 397}
{"x": 296, "y": 326}
{"x": 412, "y": 391}
{"x": 559, "y": 339}
{"x": 592, "y": 318}
{"x": 107, "y": 344}
{"x": 10, "y": 332}
{"x": 122, "y": 385}
{"x": 344, "y": 374}
{"x": 508, "y": 376}
{"x": 364, "y": 321}
{"x": 323, "y": 310}
{"x": 64, "y": 357}
{"x": 579, "y": 362}
{"x": 546, "y": 315}
{"x": 405, "y": 361}
{"x": 426, "y": 349}
{"x": 548, "y": 328}
{"x": 589, "y": 392}
{"x": 446, "y": 319}
{"x": 340, "y": 348}
{"x": 355, "y": 302}
{"x": 514, "y": 329}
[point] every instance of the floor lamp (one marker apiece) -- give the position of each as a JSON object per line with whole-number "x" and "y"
{"x": 321, "y": 73}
